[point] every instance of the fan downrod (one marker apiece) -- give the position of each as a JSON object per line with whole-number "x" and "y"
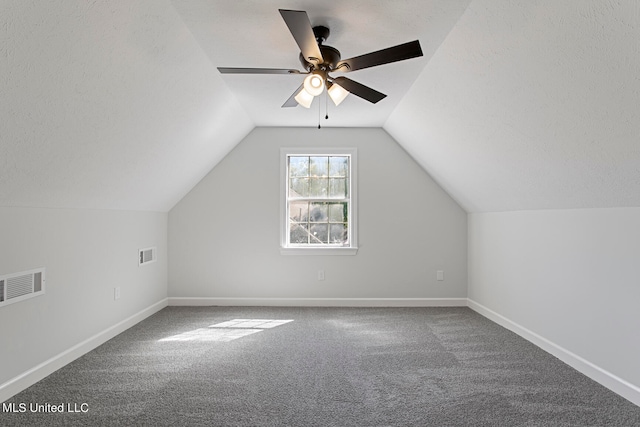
{"x": 322, "y": 33}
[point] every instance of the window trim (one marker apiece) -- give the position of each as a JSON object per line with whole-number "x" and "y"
{"x": 352, "y": 249}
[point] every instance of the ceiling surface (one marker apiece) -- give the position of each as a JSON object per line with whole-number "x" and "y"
{"x": 515, "y": 104}
{"x": 253, "y": 34}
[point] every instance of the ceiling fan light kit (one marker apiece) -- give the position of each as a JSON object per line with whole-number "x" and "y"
{"x": 304, "y": 98}
{"x": 319, "y": 60}
{"x": 314, "y": 84}
{"x": 337, "y": 93}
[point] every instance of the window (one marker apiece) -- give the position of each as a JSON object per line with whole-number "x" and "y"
{"x": 318, "y": 201}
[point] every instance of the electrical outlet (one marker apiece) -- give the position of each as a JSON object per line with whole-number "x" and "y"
{"x": 116, "y": 293}
{"x": 440, "y": 275}
{"x": 320, "y": 274}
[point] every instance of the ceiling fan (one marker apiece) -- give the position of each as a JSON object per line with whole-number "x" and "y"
{"x": 319, "y": 60}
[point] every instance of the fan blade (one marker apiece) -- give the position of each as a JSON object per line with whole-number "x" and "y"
{"x": 228, "y": 70}
{"x": 358, "y": 89}
{"x": 380, "y": 57}
{"x": 300, "y": 27}
{"x": 291, "y": 102}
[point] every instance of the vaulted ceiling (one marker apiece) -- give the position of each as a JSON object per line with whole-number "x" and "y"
{"x": 514, "y": 105}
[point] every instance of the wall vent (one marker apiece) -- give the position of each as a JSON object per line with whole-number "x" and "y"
{"x": 21, "y": 286}
{"x": 147, "y": 256}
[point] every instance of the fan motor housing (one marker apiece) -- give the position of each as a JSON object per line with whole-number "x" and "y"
{"x": 330, "y": 56}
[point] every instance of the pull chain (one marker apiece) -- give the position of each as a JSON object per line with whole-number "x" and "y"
{"x": 326, "y": 105}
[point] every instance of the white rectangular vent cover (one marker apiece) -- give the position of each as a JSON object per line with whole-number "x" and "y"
{"x": 21, "y": 286}
{"x": 147, "y": 256}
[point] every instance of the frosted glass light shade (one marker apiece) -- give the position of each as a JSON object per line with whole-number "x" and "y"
{"x": 304, "y": 98}
{"x": 314, "y": 84}
{"x": 337, "y": 93}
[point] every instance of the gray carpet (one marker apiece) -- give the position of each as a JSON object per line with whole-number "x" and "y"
{"x": 328, "y": 367}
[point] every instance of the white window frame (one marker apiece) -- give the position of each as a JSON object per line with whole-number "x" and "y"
{"x": 285, "y": 248}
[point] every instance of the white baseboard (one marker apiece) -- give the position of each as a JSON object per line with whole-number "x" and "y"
{"x": 607, "y": 379}
{"x": 39, "y": 372}
{"x": 320, "y": 302}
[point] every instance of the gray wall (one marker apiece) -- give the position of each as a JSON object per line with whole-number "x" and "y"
{"x": 86, "y": 254}
{"x": 570, "y": 276}
{"x": 224, "y": 235}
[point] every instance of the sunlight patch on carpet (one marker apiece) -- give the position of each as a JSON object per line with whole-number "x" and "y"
{"x": 251, "y": 323}
{"x": 227, "y": 331}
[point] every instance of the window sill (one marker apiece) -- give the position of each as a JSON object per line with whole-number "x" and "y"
{"x": 318, "y": 251}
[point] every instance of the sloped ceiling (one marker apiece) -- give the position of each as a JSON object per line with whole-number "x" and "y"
{"x": 515, "y": 104}
{"x": 531, "y": 105}
{"x": 107, "y": 104}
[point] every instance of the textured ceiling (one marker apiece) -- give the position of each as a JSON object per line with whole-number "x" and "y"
{"x": 515, "y": 104}
{"x": 531, "y": 105}
{"x": 107, "y": 104}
